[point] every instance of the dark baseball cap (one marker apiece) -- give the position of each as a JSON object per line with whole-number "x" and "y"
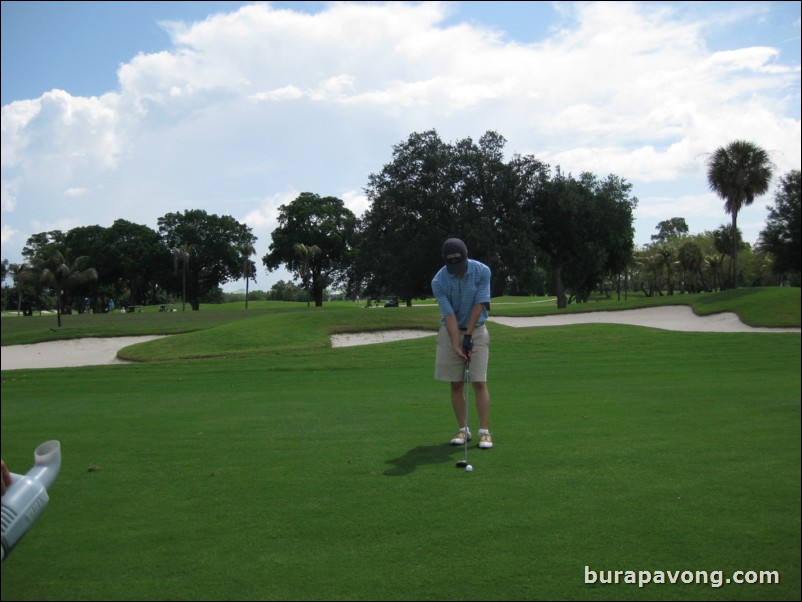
{"x": 455, "y": 254}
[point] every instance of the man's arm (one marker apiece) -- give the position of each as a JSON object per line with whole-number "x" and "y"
{"x": 452, "y": 327}
{"x": 476, "y": 313}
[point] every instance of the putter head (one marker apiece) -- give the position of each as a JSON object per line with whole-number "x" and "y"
{"x": 462, "y": 464}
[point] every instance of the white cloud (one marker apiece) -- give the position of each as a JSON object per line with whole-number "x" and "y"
{"x": 75, "y": 192}
{"x": 706, "y": 205}
{"x": 7, "y": 234}
{"x": 285, "y": 93}
{"x": 355, "y": 201}
{"x": 8, "y": 195}
{"x": 265, "y": 218}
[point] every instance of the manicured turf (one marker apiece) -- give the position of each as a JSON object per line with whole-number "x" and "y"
{"x": 283, "y": 469}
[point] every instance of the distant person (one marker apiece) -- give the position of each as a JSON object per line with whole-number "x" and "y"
{"x": 111, "y": 306}
{"x": 86, "y": 305}
{"x": 462, "y": 291}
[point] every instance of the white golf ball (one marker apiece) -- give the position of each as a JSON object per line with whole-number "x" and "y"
{"x": 469, "y": 468}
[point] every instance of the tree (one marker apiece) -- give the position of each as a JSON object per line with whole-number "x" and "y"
{"x": 584, "y": 230}
{"x": 44, "y": 244}
{"x": 691, "y": 261}
{"x": 726, "y": 241}
{"x": 61, "y": 276}
{"x": 136, "y": 258}
{"x": 672, "y": 228}
{"x": 286, "y": 291}
{"x": 738, "y": 173}
{"x": 181, "y": 257}
{"x": 314, "y": 221}
{"x": 246, "y": 249}
{"x": 307, "y": 257}
{"x": 215, "y": 242}
{"x": 414, "y": 208}
{"x": 431, "y": 191}
{"x": 491, "y": 214}
{"x": 22, "y": 274}
{"x": 783, "y": 231}
{"x": 519, "y": 228}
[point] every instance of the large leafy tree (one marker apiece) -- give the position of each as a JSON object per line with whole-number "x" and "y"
{"x": 675, "y": 227}
{"x": 783, "y": 231}
{"x": 215, "y": 240}
{"x": 585, "y": 231}
{"x": 88, "y": 242}
{"x": 738, "y": 173}
{"x": 519, "y": 228}
{"x": 413, "y": 210}
{"x": 491, "y": 213}
{"x": 431, "y": 191}
{"x": 44, "y": 245}
{"x": 131, "y": 260}
{"x": 314, "y": 221}
{"x": 137, "y": 258}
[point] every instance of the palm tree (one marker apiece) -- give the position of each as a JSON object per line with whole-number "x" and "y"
{"x": 306, "y": 256}
{"x": 738, "y": 173}
{"x": 60, "y": 276}
{"x": 181, "y": 255}
{"x": 714, "y": 265}
{"x": 21, "y": 273}
{"x": 246, "y": 249}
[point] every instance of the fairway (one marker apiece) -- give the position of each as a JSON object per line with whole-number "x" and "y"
{"x": 311, "y": 472}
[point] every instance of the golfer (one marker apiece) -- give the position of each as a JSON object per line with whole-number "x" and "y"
{"x": 462, "y": 290}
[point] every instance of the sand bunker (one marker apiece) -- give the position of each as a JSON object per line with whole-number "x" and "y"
{"x": 372, "y": 338}
{"x": 679, "y": 317}
{"x": 67, "y": 354}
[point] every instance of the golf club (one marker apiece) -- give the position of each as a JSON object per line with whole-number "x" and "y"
{"x": 464, "y": 462}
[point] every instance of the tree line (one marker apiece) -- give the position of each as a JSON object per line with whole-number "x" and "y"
{"x": 188, "y": 258}
{"x": 535, "y": 230}
{"x": 540, "y": 230}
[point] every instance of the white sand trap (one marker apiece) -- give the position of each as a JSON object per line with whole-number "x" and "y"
{"x": 67, "y": 354}
{"x": 372, "y": 338}
{"x": 679, "y": 317}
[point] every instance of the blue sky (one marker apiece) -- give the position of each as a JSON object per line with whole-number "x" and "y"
{"x": 130, "y": 110}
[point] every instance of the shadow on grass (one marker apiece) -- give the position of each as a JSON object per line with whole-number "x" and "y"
{"x": 440, "y": 453}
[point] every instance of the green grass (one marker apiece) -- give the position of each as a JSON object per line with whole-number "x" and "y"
{"x": 282, "y": 469}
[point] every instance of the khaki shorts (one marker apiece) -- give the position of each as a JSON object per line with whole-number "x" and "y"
{"x": 449, "y": 366}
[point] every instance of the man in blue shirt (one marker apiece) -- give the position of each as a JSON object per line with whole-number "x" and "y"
{"x": 462, "y": 291}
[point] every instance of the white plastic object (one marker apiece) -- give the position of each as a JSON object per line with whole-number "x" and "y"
{"x": 27, "y": 497}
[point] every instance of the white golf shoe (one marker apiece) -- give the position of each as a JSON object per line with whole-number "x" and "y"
{"x": 459, "y": 439}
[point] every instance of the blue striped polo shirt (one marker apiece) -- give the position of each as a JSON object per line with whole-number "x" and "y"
{"x": 458, "y": 294}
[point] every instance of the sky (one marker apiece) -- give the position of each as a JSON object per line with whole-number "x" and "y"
{"x": 132, "y": 110}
